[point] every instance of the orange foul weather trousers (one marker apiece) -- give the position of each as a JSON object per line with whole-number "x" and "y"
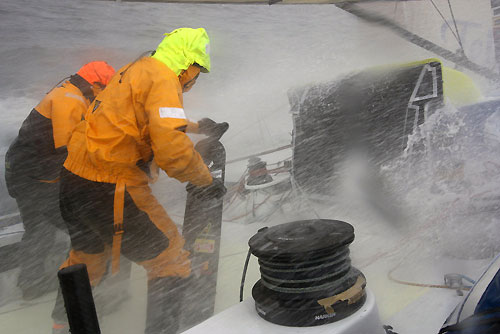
{"x": 148, "y": 236}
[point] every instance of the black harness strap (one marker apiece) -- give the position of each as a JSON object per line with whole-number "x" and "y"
{"x": 83, "y": 86}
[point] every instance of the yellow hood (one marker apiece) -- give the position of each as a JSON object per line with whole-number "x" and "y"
{"x": 184, "y": 47}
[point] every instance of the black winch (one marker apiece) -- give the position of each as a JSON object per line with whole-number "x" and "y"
{"x": 257, "y": 172}
{"x": 306, "y": 273}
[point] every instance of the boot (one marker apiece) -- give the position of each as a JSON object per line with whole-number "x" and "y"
{"x": 163, "y": 312}
{"x": 60, "y": 325}
{"x": 60, "y": 328}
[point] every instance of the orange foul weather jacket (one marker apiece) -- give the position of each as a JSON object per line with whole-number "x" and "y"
{"x": 139, "y": 115}
{"x": 39, "y": 149}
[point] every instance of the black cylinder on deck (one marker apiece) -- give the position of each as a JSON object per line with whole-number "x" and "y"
{"x": 301, "y": 263}
{"x": 257, "y": 172}
{"x": 78, "y": 300}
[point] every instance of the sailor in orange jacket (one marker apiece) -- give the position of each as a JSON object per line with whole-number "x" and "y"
{"x": 137, "y": 117}
{"x": 33, "y": 164}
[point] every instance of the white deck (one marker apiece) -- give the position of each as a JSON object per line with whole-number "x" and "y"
{"x": 409, "y": 309}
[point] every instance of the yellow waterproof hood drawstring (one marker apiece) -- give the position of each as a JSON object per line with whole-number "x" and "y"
{"x": 182, "y": 48}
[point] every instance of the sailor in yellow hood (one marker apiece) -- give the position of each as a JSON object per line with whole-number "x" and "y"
{"x": 184, "y": 47}
{"x": 139, "y": 116}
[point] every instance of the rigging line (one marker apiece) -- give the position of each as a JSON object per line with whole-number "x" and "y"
{"x": 456, "y": 27}
{"x": 457, "y": 58}
{"x": 445, "y": 21}
{"x": 259, "y": 153}
{"x": 247, "y": 126}
{"x": 232, "y": 219}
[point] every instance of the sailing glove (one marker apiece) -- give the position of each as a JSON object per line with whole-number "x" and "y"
{"x": 215, "y": 190}
{"x": 211, "y": 128}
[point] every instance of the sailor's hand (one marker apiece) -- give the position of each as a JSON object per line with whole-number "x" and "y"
{"x": 211, "y": 128}
{"x": 215, "y": 190}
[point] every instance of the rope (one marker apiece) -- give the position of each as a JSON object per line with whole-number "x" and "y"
{"x": 236, "y": 188}
{"x": 338, "y": 256}
{"x": 331, "y": 285}
{"x": 245, "y": 267}
{"x": 422, "y": 285}
{"x": 260, "y": 153}
{"x": 241, "y": 183}
{"x": 247, "y": 213}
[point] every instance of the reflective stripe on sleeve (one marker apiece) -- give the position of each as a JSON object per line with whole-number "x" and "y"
{"x": 172, "y": 113}
{"x": 74, "y": 96}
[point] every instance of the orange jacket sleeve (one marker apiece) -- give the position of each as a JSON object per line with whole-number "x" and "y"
{"x": 64, "y": 106}
{"x": 173, "y": 150}
{"x": 66, "y": 114}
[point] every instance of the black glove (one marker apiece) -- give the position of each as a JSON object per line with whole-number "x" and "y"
{"x": 212, "y": 129}
{"x": 215, "y": 190}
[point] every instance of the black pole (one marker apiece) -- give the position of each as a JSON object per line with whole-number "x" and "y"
{"x": 78, "y": 300}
